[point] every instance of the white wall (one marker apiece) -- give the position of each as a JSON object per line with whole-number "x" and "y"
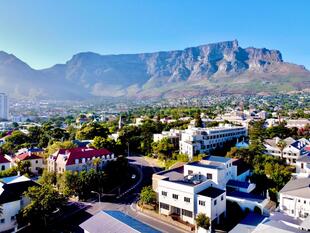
{"x": 9, "y": 209}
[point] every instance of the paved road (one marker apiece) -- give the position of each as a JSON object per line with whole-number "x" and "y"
{"x": 125, "y": 203}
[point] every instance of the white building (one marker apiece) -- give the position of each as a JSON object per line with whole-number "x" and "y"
{"x": 12, "y": 200}
{"x": 4, "y": 163}
{"x": 173, "y": 135}
{"x": 198, "y": 187}
{"x": 293, "y": 150}
{"x": 202, "y": 140}
{"x": 298, "y": 123}
{"x": 295, "y": 198}
{"x": 4, "y": 107}
{"x": 303, "y": 166}
{"x": 77, "y": 159}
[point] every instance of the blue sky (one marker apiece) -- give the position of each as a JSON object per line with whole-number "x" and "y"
{"x": 43, "y": 33}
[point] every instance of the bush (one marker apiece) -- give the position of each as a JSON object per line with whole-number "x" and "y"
{"x": 203, "y": 221}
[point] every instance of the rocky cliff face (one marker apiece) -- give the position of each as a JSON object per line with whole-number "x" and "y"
{"x": 218, "y": 67}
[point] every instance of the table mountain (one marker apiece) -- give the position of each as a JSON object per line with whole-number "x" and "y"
{"x": 222, "y": 67}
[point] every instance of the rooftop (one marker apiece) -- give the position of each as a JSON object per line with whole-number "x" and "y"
{"x": 237, "y": 183}
{"x": 218, "y": 159}
{"x": 211, "y": 192}
{"x": 201, "y": 164}
{"x": 297, "y": 187}
{"x": 115, "y": 221}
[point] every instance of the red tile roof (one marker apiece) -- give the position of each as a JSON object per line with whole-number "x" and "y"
{"x": 80, "y": 153}
{"x": 26, "y": 156}
{"x": 3, "y": 159}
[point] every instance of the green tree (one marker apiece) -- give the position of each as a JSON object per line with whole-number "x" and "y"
{"x": 203, "y": 221}
{"x": 281, "y": 145}
{"x": 147, "y": 195}
{"x": 163, "y": 148}
{"x": 44, "y": 202}
{"x": 91, "y": 130}
{"x": 59, "y": 145}
{"x": 100, "y": 142}
{"x": 198, "y": 121}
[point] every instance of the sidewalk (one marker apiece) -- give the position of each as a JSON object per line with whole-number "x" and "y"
{"x": 160, "y": 218}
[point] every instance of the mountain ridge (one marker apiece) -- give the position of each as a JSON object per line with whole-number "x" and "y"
{"x": 222, "y": 67}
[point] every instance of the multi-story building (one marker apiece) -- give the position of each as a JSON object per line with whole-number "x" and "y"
{"x": 12, "y": 200}
{"x": 198, "y": 187}
{"x": 202, "y": 140}
{"x": 303, "y": 166}
{"x": 295, "y": 198}
{"x": 78, "y": 159}
{"x": 36, "y": 162}
{"x": 173, "y": 135}
{"x": 293, "y": 150}
{"x": 4, "y": 107}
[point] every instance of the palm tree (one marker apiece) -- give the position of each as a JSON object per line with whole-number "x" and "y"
{"x": 96, "y": 163}
{"x": 281, "y": 145}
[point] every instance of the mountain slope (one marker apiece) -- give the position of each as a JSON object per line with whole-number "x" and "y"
{"x": 222, "y": 67}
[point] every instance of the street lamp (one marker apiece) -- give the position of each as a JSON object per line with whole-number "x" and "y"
{"x": 98, "y": 195}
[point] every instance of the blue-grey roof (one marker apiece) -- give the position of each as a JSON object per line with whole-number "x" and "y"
{"x": 115, "y": 221}
{"x": 8, "y": 179}
{"x": 217, "y": 159}
{"x": 237, "y": 183}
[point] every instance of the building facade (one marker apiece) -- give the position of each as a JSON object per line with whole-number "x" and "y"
{"x": 293, "y": 150}
{"x": 12, "y": 200}
{"x": 4, "y": 107}
{"x": 295, "y": 198}
{"x": 78, "y": 159}
{"x": 203, "y": 140}
{"x": 197, "y": 187}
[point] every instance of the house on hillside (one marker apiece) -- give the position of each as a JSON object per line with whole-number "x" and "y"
{"x": 4, "y": 163}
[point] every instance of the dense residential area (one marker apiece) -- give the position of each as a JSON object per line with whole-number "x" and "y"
{"x": 202, "y": 169}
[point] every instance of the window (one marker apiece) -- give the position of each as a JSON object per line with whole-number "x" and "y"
{"x": 202, "y": 203}
{"x": 209, "y": 176}
{"x": 174, "y": 196}
{"x": 302, "y": 166}
{"x": 13, "y": 218}
{"x": 222, "y": 197}
{"x": 164, "y": 193}
{"x": 2, "y": 220}
{"x": 215, "y": 202}
{"x": 2, "y": 167}
{"x": 190, "y": 172}
{"x": 37, "y": 161}
{"x": 187, "y": 199}
{"x": 187, "y": 213}
{"x": 164, "y": 206}
{"x": 304, "y": 202}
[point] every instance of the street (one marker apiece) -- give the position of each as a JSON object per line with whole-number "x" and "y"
{"x": 125, "y": 203}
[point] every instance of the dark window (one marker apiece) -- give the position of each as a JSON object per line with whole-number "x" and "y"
{"x": 302, "y": 166}
{"x": 2, "y": 220}
{"x": 222, "y": 197}
{"x": 190, "y": 172}
{"x": 37, "y": 161}
{"x": 174, "y": 196}
{"x": 202, "y": 203}
{"x": 187, "y": 213}
{"x": 2, "y": 167}
{"x": 164, "y": 193}
{"x": 187, "y": 199}
{"x": 164, "y": 206}
{"x": 215, "y": 202}
{"x": 209, "y": 176}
